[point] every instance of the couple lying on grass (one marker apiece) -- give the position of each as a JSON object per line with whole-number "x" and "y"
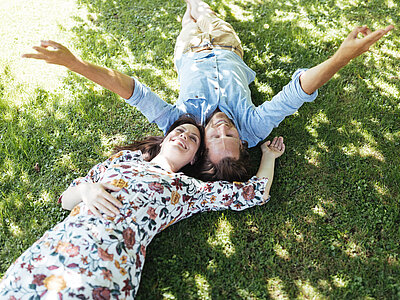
{"x": 98, "y": 251}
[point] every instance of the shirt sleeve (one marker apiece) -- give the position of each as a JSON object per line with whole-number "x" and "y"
{"x": 270, "y": 114}
{"x": 153, "y": 107}
{"x": 222, "y": 195}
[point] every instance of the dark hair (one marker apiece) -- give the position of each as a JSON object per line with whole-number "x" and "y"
{"x": 228, "y": 169}
{"x": 150, "y": 145}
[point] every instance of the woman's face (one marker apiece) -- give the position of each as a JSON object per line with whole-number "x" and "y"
{"x": 182, "y": 144}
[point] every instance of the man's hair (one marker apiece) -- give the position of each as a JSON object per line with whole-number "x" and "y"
{"x": 228, "y": 168}
{"x": 150, "y": 145}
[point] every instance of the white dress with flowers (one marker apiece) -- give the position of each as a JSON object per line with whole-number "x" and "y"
{"x": 86, "y": 257}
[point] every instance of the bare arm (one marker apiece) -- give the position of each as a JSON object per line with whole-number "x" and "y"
{"x": 352, "y": 47}
{"x": 270, "y": 152}
{"x": 95, "y": 196}
{"x": 115, "y": 81}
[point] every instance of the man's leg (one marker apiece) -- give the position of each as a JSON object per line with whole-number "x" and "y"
{"x": 199, "y": 8}
{"x": 220, "y": 34}
{"x": 187, "y": 19}
{"x": 190, "y": 34}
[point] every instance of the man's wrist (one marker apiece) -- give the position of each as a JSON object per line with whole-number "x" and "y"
{"x": 76, "y": 65}
{"x": 339, "y": 60}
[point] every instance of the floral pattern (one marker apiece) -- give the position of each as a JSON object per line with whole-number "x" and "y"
{"x": 86, "y": 257}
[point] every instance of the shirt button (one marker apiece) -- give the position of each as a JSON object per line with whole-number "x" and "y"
{"x": 216, "y": 88}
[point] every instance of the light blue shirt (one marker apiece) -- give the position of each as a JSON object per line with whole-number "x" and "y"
{"x": 220, "y": 79}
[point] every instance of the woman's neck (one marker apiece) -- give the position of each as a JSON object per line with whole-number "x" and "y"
{"x": 165, "y": 164}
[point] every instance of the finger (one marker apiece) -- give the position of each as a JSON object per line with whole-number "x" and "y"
{"x": 51, "y": 43}
{"x": 388, "y": 28}
{"x": 41, "y": 50}
{"x": 273, "y": 144}
{"x": 104, "y": 209}
{"x": 375, "y": 36}
{"x": 365, "y": 30}
{"x": 368, "y": 31}
{"x": 109, "y": 186}
{"x": 94, "y": 211}
{"x": 280, "y": 143}
{"x": 115, "y": 202}
{"x": 355, "y": 32}
{"x": 283, "y": 148}
{"x": 35, "y": 56}
{"x": 111, "y": 203}
{"x": 101, "y": 199}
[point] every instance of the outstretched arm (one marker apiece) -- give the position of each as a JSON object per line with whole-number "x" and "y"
{"x": 270, "y": 152}
{"x": 352, "y": 47}
{"x": 55, "y": 53}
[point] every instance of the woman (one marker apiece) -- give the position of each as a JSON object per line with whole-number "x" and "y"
{"x": 101, "y": 257}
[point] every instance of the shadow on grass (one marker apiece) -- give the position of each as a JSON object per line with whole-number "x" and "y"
{"x": 47, "y": 142}
{"x": 330, "y": 229}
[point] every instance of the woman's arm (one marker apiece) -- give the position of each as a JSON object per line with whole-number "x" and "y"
{"x": 112, "y": 80}
{"x": 219, "y": 195}
{"x": 270, "y": 151}
{"x": 95, "y": 195}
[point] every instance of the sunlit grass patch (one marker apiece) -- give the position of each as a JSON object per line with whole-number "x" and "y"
{"x": 330, "y": 229}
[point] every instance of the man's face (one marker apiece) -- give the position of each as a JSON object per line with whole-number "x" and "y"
{"x": 222, "y": 138}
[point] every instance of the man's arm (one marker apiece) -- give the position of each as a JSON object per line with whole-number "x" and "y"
{"x": 115, "y": 81}
{"x": 352, "y": 47}
{"x": 270, "y": 152}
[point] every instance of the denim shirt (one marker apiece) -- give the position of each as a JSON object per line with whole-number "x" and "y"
{"x": 220, "y": 79}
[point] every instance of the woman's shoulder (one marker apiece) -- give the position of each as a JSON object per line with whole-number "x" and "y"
{"x": 127, "y": 155}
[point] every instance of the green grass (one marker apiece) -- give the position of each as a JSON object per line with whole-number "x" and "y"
{"x": 331, "y": 229}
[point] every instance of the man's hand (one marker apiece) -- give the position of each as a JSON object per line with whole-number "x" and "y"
{"x": 353, "y": 46}
{"x": 53, "y": 53}
{"x": 273, "y": 149}
{"x": 98, "y": 200}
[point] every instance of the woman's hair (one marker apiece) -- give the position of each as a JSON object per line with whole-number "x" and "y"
{"x": 150, "y": 145}
{"x": 228, "y": 169}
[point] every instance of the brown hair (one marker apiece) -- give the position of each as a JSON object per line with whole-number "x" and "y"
{"x": 228, "y": 169}
{"x": 150, "y": 145}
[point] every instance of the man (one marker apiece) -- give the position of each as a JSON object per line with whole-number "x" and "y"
{"x": 214, "y": 87}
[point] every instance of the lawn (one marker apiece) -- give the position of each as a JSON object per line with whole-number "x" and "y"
{"x": 331, "y": 228}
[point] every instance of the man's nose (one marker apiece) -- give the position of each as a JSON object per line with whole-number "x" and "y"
{"x": 223, "y": 129}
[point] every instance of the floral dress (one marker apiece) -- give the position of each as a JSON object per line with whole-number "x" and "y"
{"x": 86, "y": 257}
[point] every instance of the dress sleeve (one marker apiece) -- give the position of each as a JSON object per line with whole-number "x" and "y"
{"x": 237, "y": 196}
{"x": 96, "y": 173}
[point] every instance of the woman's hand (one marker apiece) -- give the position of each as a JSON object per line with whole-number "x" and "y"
{"x": 99, "y": 200}
{"x": 275, "y": 148}
{"x": 58, "y": 55}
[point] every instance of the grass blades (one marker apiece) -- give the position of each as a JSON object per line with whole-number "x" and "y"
{"x": 331, "y": 228}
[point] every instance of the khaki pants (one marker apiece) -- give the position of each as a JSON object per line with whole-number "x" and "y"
{"x": 209, "y": 32}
